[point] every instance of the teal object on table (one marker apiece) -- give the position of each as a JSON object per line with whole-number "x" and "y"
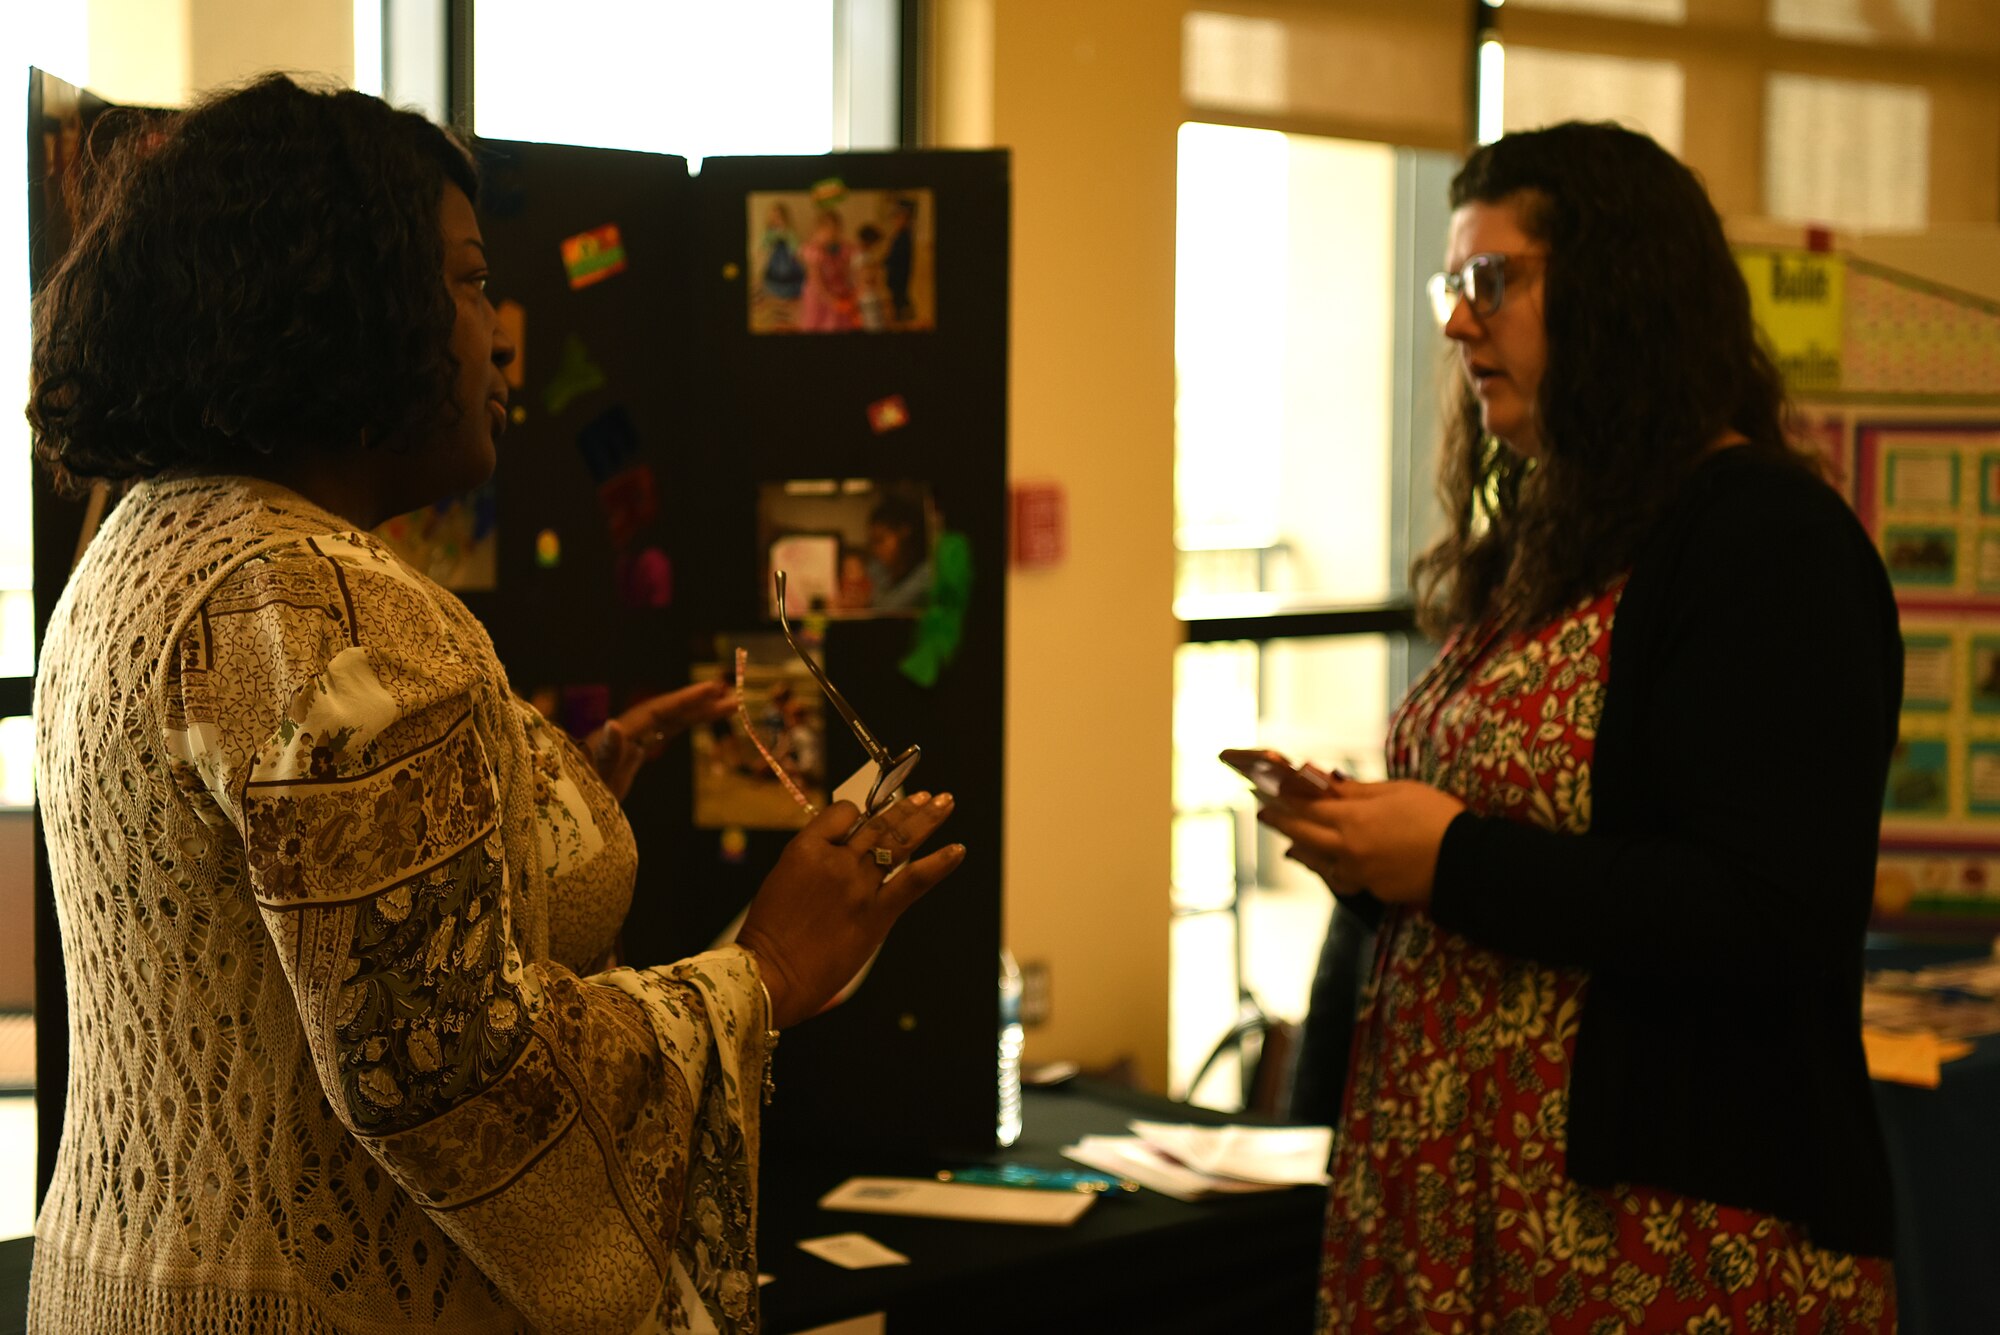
{"x": 1037, "y": 1179}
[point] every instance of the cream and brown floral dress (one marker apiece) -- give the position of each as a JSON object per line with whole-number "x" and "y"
{"x": 1450, "y": 1209}
{"x": 335, "y": 905}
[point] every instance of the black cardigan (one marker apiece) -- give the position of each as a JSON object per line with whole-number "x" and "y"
{"x": 1721, "y": 896}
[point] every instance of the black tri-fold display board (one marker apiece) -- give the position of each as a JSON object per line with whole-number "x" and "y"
{"x": 789, "y": 363}
{"x": 793, "y": 363}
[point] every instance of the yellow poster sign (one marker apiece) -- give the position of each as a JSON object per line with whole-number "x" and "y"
{"x": 1799, "y": 298}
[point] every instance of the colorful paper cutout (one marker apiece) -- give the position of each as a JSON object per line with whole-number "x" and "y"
{"x": 630, "y": 502}
{"x": 733, "y": 844}
{"x": 646, "y": 581}
{"x": 575, "y": 376}
{"x": 890, "y": 414}
{"x": 584, "y": 708}
{"x": 512, "y": 317}
{"x": 593, "y": 256}
{"x": 608, "y": 443}
{"x": 942, "y": 625}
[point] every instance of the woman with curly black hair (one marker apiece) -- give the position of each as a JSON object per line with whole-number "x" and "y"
{"x": 1608, "y": 1073}
{"x": 335, "y": 903}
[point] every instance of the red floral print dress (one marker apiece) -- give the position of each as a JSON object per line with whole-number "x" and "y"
{"x": 1450, "y": 1208}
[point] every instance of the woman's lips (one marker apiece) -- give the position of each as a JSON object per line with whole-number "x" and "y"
{"x": 497, "y": 411}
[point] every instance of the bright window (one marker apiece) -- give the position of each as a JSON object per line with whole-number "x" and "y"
{"x": 1283, "y": 333}
{"x": 1846, "y": 153}
{"x": 1651, "y": 11}
{"x": 1542, "y": 87}
{"x": 1228, "y": 60}
{"x": 1855, "y": 20}
{"x": 1285, "y": 348}
{"x": 666, "y": 76}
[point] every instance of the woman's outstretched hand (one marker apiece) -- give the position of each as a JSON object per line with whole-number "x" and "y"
{"x": 825, "y": 907}
{"x": 625, "y": 743}
{"x": 1378, "y": 837}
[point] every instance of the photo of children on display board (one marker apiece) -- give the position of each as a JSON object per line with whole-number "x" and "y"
{"x": 849, "y": 547}
{"x": 734, "y": 785}
{"x": 833, "y": 261}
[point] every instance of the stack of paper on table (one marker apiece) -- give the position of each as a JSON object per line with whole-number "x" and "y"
{"x": 1915, "y": 1021}
{"x": 957, "y": 1200}
{"x": 1191, "y": 1163}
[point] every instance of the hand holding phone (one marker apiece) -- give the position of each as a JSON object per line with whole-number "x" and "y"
{"x": 1273, "y": 776}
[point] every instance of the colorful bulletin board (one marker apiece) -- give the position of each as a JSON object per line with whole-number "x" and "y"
{"x": 1906, "y": 410}
{"x": 1929, "y": 491}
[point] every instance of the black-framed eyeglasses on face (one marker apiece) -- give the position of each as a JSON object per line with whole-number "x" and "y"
{"x": 890, "y": 770}
{"x": 1481, "y": 282}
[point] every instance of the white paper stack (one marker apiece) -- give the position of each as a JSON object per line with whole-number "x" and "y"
{"x": 1191, "y": 1163}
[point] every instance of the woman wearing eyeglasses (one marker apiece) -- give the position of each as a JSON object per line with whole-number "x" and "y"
{"x": 1608, "y": 1074}
{"x": 331, "y": 895}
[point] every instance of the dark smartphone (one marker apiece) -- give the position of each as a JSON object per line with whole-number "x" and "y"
{"x": 1273, "y": 776}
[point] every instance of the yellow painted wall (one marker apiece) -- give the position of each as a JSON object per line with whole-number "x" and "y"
{"x": 230, "y": 40}
{"x": 139, "y": 51}
{"x": 160, "y": 52}
{"x": 1087, "y": 97}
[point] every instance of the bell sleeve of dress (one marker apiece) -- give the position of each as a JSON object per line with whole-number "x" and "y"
{"x": 589, "y": 1142}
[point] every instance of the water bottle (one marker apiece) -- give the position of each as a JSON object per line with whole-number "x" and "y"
{"x": 1009, "y": 1129}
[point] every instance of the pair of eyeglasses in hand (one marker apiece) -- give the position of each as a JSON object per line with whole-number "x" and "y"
{"x": 891, "y": 770}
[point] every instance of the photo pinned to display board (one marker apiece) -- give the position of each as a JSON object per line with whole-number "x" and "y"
{"x": 734, "y": 786}
{"x": 849, "y": 547}
{"x": 830, "y": 260}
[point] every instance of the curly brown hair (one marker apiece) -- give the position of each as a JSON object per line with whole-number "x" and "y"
{"x": 1652, "y": 355}
{"x": 257, "y": 274}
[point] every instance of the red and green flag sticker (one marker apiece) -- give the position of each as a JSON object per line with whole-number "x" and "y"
{"x": 593, "y": 256}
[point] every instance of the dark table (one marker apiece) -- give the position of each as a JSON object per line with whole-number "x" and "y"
{"x": 1141, "y": 1262}
{"x": 1154, "y": 1264}
{"x": 1947, "y": 1177}
{"x": 1144, "y": 1262}
{"x": 14, "y": 1256}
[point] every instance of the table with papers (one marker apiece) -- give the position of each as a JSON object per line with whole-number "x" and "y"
{"x": 1939, "y": 1137}
{"x": 1191, "y": 1162}
{"x": 1133, "y": 1261}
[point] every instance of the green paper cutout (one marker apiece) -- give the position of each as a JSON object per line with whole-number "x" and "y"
{"x": 575, "y": 376}
{"x": 942, "y": 625}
